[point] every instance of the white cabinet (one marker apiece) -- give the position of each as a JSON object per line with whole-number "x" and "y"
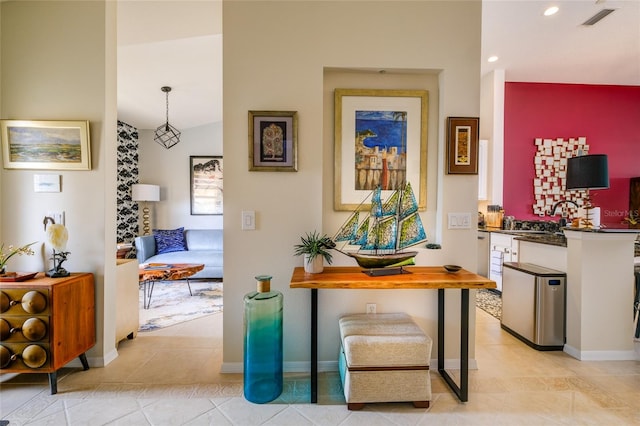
{"x": 127, "y": 315}
{"x": 503, "y": 248}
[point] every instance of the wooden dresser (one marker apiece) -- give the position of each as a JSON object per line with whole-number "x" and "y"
{"x": 45, "y": 323}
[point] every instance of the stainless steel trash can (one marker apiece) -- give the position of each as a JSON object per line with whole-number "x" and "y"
{"x": 533, "y": 305}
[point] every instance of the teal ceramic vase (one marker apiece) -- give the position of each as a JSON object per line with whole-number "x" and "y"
{"x": 263, "y": 343}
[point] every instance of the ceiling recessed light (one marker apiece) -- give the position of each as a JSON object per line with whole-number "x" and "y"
{"x": 551, "y": 11}
{"x": 492, "y": 58}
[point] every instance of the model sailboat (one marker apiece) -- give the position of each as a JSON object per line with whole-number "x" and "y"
{"x": 389, "y": 228}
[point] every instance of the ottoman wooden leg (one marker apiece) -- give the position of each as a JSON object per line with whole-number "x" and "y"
{"x": 355, "y": 406}
{"x": 421, "y": 404}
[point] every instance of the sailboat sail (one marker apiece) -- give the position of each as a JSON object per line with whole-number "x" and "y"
{"x": 349, "y": 229}
{"x": 383, "y": 236}
{"x": 362, "y": 233}
{"x": 390, "y": 227}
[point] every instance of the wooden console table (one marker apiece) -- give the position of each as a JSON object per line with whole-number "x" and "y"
{"x": 421, "y": 277}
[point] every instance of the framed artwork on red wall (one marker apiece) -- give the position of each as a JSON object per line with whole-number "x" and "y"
{"x": 462, "y": 145}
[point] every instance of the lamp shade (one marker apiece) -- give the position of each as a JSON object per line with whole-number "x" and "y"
{"x": 144, "y": 192}
{"x": 588, "y": 172}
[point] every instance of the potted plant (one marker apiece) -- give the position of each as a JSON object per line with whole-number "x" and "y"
{"x": 9, "y": 252}
{"x": 315, "y": 249}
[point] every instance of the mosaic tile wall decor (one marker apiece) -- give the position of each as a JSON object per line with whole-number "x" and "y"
{"x": 550, "y": 164}
{"x": 127, "y": 217}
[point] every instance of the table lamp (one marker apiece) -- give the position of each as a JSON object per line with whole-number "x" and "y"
{"x": 588, "y": 172}
{"x": 145, "y": 193}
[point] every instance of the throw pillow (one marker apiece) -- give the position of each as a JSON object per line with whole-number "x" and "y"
{"x": 168, "y": 240}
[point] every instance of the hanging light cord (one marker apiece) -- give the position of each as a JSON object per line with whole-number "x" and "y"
{"x": 166, "y": 91}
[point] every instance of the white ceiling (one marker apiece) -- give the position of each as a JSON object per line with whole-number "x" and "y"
{"x": 179, "y": 44}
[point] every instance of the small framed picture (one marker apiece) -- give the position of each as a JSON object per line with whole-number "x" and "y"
{"x": 206, "y": 184}
{"x": 273, "y": 141}
{"x": 462, "y": 145}
{"x": 46, "y": 183}
{"x": 45, "y": 145}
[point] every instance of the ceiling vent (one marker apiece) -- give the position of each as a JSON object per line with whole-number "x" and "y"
{"x": 598, "y": 17}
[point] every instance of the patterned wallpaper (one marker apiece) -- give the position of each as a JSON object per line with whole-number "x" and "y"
{"x": 127, "y": 217}
{"x": 551, "y": 173}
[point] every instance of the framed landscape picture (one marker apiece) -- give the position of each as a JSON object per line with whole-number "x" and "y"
{"x": 206, "y": 184}
{"x": 380, "y": 140}
{"x": 45, "y": 145}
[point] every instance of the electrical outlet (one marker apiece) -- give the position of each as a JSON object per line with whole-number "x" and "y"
{"x": 371, "y": 308}
{"x": 459, "y": 220}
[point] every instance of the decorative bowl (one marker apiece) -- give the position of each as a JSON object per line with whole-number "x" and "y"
{"x": 452, "y": 268}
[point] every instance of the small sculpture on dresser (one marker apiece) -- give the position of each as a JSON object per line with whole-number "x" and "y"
{"x": 57, "y": 237}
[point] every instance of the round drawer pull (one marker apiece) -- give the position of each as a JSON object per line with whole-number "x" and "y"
{"x": 5, "y": 329}
{"x": 34, "y": 329}
{"x": 5, "y": 302}
{"x": 34, "y": 356}
{"x": 5, "y": 357}
{"x": 34, "y": 302}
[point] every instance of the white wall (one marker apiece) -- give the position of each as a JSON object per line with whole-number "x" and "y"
{"x": 169, "y": 168}
{"x": 275, "y": 55}
{"x": 58, "y": 63}
{"x": 492, "y": 129}
{"x": 287, "y": 46}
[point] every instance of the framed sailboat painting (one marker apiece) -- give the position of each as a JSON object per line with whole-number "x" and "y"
{"x": 380, "y": 141}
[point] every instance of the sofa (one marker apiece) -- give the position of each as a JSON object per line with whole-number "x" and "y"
{"x": 184, "y": 246}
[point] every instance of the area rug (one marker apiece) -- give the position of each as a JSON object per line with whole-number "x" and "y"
{"x": 171, "y": 303}
{"x": 489, "y": 302}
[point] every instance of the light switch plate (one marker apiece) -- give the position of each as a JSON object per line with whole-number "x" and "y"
{"x": 58, "y": 217}
{"x": 248, "y": 220}
{"x": 459, "y": 220}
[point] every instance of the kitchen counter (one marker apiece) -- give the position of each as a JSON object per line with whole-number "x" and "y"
{"x": 558, "y": 238}
{"x": 534, "y": 236}
{"x": 550, "y": 239}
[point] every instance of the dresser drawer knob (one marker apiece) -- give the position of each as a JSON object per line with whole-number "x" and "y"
{"x": 5, "y": 302}
{"x": 34, "y": 302}
{"x": 5, "y": 357}
{"x": 5, "y": 329}
{"x": 34, "y": 356}
{"x": 34, "y": 329}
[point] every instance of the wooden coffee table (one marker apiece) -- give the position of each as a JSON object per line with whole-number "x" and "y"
{"x": 149, "y": 273}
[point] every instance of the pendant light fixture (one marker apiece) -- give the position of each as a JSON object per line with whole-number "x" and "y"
{"x": 167, "y": 135}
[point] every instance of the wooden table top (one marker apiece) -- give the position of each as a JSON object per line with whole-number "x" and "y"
{"x": 421, "y": 277}
{"x": 174, "y": 271}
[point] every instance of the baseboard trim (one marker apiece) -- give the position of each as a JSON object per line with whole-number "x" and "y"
{"x": 630, "y": 355}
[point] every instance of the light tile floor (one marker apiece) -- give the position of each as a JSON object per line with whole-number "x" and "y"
{"x": 175, "y": 381}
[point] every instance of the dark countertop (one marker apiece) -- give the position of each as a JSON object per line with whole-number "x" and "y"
{"x": 532, "y": 235}
{"x": 555, "y": 238}
{"x": 550, "y": 239}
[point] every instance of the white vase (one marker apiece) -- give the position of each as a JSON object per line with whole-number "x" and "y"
{"x": 315, "y": 266}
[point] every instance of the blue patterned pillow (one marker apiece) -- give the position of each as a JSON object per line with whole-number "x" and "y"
{"x": 168, "y": 240}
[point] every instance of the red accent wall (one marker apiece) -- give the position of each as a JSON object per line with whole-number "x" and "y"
{"x": 608, "y": 116}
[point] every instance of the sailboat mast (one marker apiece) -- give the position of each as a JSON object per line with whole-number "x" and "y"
{"x": 398, "y": 206}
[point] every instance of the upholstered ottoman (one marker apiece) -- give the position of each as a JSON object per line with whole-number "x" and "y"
{"x": 384, "y": 358}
